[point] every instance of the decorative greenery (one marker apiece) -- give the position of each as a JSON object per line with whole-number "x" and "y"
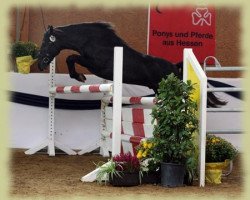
{"x": 117, "y": 166}
{"x": 108, "y": 169}
{"x": 218, "y": 149}
{"x": 144, "y": 154}
{"x": 176, "y": 115}
{"x": 21, "y": 48}
{"x": 127, "y": 162}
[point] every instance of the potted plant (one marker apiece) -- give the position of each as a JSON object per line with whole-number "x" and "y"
{"x": 150, "y": 167}
{"x": 219, "y": 153}
{"x": 122, "y": 170}
{"x": 25, "y": 54}
{"x": 176, "y": 124}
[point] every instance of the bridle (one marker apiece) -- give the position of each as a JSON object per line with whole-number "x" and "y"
{"x": 46, "y": 59}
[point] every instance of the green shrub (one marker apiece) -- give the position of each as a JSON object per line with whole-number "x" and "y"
{"x": 218, "y": 149}
{"x": 21, "y": 48}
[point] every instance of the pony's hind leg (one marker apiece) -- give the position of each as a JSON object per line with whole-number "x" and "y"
{"x": 71, "y": 60}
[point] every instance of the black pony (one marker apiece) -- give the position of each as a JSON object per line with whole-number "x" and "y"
{"x": 95, "y": 43}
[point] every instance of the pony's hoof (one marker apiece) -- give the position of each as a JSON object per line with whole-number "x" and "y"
{"x": 81, "y": 78}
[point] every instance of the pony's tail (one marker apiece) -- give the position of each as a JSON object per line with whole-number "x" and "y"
{"x": 213, "y": 101}
{"x": 214, "y": 83}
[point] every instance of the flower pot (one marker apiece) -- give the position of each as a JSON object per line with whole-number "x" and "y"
{"x": 127, "y": 179}
{"x": 172, "y": 175}
{"x": 187, "y": 180}
{"x": 213, "y": 171}
{"x": 24, "y": 63}
{"x": 151, "y": 177}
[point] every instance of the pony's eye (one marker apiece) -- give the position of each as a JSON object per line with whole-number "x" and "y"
{"x": 52, "y": 38}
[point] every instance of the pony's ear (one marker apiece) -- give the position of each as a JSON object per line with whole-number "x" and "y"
{"x": 180, "y": 69}
{"x": 50, "y": 29}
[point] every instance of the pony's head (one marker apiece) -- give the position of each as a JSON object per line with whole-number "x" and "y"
{"x": 50, "y": 47}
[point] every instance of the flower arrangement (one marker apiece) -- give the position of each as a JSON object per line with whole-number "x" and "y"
{"x": 176, "y": 115}
{"x": 127, "y": 162}
{"x": 219, "y": 150}
{"x": 144, "y": 153}
{"x": 26, "y": 54}
{"x": 21, "y": 48}
{"x": 121, "y": 170}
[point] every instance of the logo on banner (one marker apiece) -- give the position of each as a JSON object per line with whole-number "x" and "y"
{"x": 201, "y": 16}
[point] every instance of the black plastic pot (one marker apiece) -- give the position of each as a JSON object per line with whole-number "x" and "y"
{"x": 151, "y": 178}
{"x": 127, "y": 179}
{"x": 172, "y": 175}
{"x": 187, "y": 180}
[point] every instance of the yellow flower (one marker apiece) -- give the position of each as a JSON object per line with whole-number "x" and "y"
{"x": 150, "y": 145}
{"x": 139, "y": 154}
{"x": 144, "y": 154}
{"x": 144, "y": 144}
{"x": 213, "y": 140}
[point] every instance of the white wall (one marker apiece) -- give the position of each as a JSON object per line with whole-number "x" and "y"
{"x": 80, "y": 128}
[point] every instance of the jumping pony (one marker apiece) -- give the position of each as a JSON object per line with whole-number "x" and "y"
{"x": 94, "y": 43}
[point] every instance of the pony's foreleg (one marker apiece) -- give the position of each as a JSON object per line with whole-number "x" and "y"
{"x": 71, "y": 60}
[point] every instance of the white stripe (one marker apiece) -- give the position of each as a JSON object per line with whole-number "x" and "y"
{"x": 105, "y": 87}
{"x": 84, "y": 88}
{"x": 67, "y": 89}
{"x": 126, "y": 100}
{"x": 147, "y": 116}
{"x": 128, "y": 128}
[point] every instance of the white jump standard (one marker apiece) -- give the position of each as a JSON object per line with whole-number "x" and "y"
{"x": 192, "y": 71}
{"x": 115, "y": 89}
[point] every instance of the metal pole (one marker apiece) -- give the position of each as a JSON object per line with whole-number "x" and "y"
{"x": 224, "y": 89}
{"x": 210, "y": 69}
{"x": 51, "y": 131}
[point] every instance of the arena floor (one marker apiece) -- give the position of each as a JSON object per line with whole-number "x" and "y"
{"x": 49, "y": 177}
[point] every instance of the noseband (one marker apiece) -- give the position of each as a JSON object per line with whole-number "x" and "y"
{"x": 46, "y": 59}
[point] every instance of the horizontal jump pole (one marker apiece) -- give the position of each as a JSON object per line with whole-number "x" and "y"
{"x": 133, "y": 100}
{"x": 225, "y": 131}
{"x": 82, "y": 88}
{"x": 125, "y": 137}
{"x": 225, "y": 69}
{"x": 224, "y": 89}
{"x": 224, "y": 110}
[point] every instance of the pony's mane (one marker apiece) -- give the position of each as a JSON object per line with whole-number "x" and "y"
{"x": 105, "y": 26}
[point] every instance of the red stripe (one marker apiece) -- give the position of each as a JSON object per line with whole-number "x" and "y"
{"x": 135, "y": 141}
{"x": 138, "y": 115}
{"x": 138, "y": 129}
{"x": 75, "y": 88}
{"x": 60, "y": 89}
{"x": 154, "y": 100}
{"x": 135, "y": 100}
{"x": 94, "y": 88}
{"x": 122, "y": 149}
{"x": 134, "y": 148}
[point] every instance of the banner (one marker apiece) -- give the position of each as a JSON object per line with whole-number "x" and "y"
{"x": 171, "y": 29}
